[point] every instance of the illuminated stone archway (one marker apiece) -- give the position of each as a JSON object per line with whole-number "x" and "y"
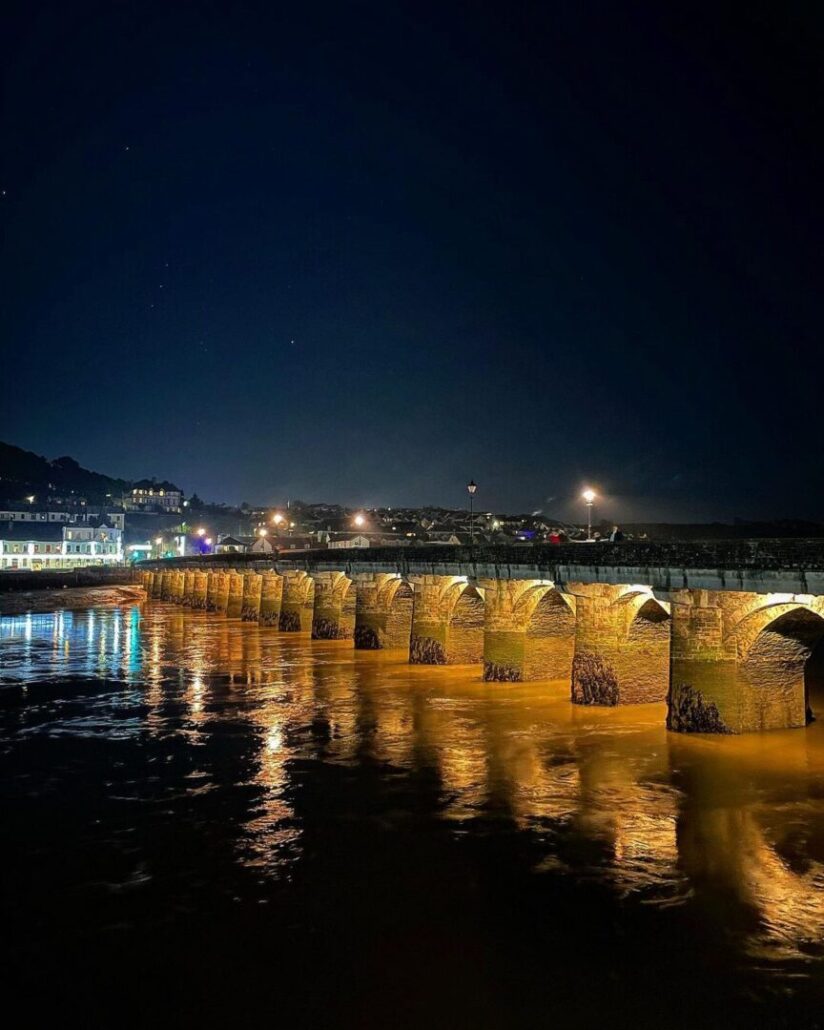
{"x": 465, "y": 627}
{"x": 447, "y": 622}
{"x": 739, "y": 664}
{"x": 622, "y": 646}
{"x": 530, "y": 631}
{"x": 334, "y": 608}
{"x": 383, "y": 618}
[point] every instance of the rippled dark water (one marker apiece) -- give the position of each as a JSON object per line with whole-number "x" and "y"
{"x": 208, "y": 822}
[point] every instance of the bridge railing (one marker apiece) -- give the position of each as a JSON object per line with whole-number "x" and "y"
{"x": 765, "y": 554}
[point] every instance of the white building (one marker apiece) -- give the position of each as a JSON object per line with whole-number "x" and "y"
{"x": 28, "y": 515}
{"x": 350, "y": 541}
{"x": 43, "y": 545}
{"x": 113, "y": 518}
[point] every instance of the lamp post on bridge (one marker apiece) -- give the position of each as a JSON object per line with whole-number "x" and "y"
{"x": 471, "y": 486}
{"x": 589, "y": 497}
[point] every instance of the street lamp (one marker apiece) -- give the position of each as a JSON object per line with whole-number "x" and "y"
{"x": 263, "y": 531}
{"x": 201, "y": 531}
{"x": 359, "y": 520}
{"x": 589, "y": 497}
{"x": 277, "y": 518}
{"x": 471, "y": 486}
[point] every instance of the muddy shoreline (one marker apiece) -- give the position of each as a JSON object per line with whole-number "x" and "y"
{"x": 21, "y": 602}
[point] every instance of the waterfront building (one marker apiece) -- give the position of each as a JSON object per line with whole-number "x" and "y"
{"x": 50, "y": 545}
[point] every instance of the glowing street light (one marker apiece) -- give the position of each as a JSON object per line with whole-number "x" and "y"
{"x": 263, "y": 531}
{"x": 208, "y": 541}
{"x": 359, "y": 520}
{"x": 589, "y": 497}
{"x": 30, "y": 499}
{"x": 277, "y": 518}
{"x": 201, "y": 531}
{"x": 471, "y": 487}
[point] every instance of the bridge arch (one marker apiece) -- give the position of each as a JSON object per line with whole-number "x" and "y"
{"x": 399, "y": 602}
{"x": 334, "y": 607}
{"x": 774, "y": 649}
{"x": 748, "y": 629}
{"x": 384, "y": 611}
{"x": 465, "y": 624}
{"x": 548, "y": 616}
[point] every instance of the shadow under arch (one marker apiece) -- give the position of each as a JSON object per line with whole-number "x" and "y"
{"x": 814, "y": 681}
{"x": 774, "y": 664}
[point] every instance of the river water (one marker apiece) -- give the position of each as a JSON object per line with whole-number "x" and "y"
{"x": 209, "y": 822}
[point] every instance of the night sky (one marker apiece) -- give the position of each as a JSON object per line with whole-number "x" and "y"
{"x": 364, "y": 252}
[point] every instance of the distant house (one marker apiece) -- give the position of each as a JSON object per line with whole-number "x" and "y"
{"x": 234, "y": 544}
{"x": 264, "y": 545}
{"x": 297, "y": 543}
{"x": 147, "y": 493}
{"x": 358, "y": 540}
{"x": 446, "y": 537}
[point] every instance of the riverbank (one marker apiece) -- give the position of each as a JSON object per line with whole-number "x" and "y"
{"x": 20, "y": 602}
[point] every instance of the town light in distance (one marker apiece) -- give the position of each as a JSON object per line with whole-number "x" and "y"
{"x": 201, "y": 531}
{"x": 359, "y": 520}
{"x": 263, "y": 531}
{"x": 277, "y": 518}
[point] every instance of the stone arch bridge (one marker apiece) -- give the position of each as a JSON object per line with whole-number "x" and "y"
{"x": 721, "y": 631}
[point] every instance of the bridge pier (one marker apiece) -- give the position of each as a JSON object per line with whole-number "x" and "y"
{"x": 222, "y": 593}
{"x": 169, "y": 584}
{"x": 529, "y": 631}
{"x": 252, "y": 588}
{"x": 271, "y": 598}
{"x": 447, "y": 622}
{"x": 739, "y": 659}
{"x": 333, "y": 615}
{"x": 234, "y": 600}
{"x": 298, "y": 603}
{"x": 383, "y": 617}
{"x": 217, "y": 594}
{"x": 200, "y": 590}
{"x": 188, "y": 587}
{"x": 622, "y": 646}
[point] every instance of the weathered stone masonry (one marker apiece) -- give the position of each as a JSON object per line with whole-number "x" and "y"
{"x": 728, "y": 649}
